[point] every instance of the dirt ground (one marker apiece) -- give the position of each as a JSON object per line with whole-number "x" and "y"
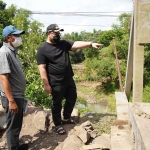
{"x": 37, "y": 139}
{"x": 49, "y": 140}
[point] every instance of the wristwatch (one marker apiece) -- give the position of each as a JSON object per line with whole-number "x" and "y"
{"x": 91, "y": 44}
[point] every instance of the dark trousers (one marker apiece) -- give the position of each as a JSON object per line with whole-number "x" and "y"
{"x": 14, "y": 122}
{"x": 68, "y": 92}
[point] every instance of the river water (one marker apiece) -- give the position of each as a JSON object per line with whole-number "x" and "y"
{"x": 93, "y": 107}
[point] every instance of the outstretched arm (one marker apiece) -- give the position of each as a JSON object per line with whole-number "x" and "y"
{"x": 83, "y": 44}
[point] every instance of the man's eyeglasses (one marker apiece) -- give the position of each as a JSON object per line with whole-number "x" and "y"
{"x": 54, "y": 31}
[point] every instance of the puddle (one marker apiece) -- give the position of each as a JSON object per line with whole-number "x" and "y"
{"x": 93, "y": 107}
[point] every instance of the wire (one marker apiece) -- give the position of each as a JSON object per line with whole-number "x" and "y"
{"x": 87, "y": 14}
{"x": 70, "y": 24}
{"x": 39, "y": 12}
{"x": 83, "y": 25}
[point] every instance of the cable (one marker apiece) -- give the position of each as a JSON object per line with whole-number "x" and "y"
{"x": 70, "y": 24}
{"x": 88, "y": 14}
{"x": 39, "y": 12}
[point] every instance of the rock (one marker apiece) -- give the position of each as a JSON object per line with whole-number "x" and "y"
{"x": 86, "y": 124}
{"x": 92, "y": 147}
{"x": 93, "y": 133}
{"x": 71, "y": 143}
{"x": 104, "y": 140}
{"x": 40, "y": 120}
{"x": 88, "y": 128}
{"x": 82, "y": 134}
{"x": 34, "y": 131}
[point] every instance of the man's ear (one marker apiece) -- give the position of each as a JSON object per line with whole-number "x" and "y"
{"x": 7, "y": 38}
{"x": 47, "y": 33}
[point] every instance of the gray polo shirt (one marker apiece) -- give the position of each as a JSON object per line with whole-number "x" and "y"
{"x": 10, "y": 64}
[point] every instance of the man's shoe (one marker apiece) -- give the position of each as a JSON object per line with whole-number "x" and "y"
{"x": 23, "y": 147}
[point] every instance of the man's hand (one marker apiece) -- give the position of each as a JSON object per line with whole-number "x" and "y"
{"x": 13, "y": 107}
{"x": 96, "y": 45}
{"x": 48, "y": 89}
{"x": 83, "y": 44}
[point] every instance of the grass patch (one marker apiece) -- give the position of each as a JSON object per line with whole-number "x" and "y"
{"x": 90, "y": 89}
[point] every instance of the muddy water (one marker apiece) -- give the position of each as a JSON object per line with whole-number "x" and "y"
{"x": 93, "y": 107}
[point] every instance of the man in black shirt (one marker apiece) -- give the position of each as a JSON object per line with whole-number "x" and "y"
{"x": 57, "y": 75}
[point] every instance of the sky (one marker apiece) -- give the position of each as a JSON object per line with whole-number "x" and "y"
{"x": 79, "y": 22}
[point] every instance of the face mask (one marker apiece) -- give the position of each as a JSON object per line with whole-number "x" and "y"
{"x": 17, "y": 42}
{"x": 56, "y": 38}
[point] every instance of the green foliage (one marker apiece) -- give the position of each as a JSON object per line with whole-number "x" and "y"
{"x": 146, "y": 94}
{"x": 6, "y": 17}
{"x": 77, "y": 56}
{"x": 91, "y": 53}
{"x": 107, "y": 37}
{"x": 80, "y": 55}
{"x": 147, "y": 65}
{"x": 32, "y": 39}
{"x": 81, "y": 100}
{"x": 82, "y": 111}
{"x": 125, "y": 21}
{"x": 100, "y": 65}
{"x": 34, "y": 89}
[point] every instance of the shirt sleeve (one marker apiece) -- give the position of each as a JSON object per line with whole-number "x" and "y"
{"x": 4, "y": 63}
{"x": 69, "y": 44}
{"x": 40, "y": 57}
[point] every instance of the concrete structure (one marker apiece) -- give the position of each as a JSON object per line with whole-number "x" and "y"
{"x": 137, "y": 114}
{"x": 132, "y": 127}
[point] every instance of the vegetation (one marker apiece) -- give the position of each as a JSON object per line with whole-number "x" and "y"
{"x": 99, "y": 65}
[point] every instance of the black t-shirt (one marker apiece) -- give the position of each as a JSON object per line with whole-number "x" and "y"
{"x": 56, "y": 58}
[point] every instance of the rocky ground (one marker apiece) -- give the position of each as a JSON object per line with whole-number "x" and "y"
{"x": 38, "y": 130}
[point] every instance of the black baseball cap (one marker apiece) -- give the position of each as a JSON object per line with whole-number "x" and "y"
{"x": 53, "y": 27}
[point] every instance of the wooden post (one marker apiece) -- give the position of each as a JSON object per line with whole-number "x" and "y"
{"x": 118, "y": 66}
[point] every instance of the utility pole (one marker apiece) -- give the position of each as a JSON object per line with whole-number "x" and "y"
{"x": 117, "y": 66}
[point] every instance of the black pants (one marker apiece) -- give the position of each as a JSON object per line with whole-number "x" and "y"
{"x": 14, "y": 122}
{"x": 58, "y": 93}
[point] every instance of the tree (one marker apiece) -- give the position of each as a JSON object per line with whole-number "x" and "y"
{"x": 6, "y": 17}
{"x": 32, "y": 39}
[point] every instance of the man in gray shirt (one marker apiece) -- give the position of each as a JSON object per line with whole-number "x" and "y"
{"x": 12, "y": 86}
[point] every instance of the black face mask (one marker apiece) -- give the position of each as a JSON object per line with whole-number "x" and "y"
{"x": 56, "y": 38}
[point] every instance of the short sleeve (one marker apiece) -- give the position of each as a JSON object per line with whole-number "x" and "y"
{"x": 40, "y": 57}
{"x": 69, "y": 44}
{"x": 4, "y": 63}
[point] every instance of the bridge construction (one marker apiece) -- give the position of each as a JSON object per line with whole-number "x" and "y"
{"x": 132, "y": 127}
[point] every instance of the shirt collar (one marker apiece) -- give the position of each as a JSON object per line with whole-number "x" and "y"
{"x": 9, "y": 46}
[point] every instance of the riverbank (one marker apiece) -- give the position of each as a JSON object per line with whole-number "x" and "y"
{"x": 101, "y": 121}
{"x": 99, "y": 108}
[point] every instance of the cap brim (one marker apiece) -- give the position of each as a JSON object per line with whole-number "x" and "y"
{"x": 19, "y": 32}
{"x": 61, "y": 30}
{"x": 58, "y": 30}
